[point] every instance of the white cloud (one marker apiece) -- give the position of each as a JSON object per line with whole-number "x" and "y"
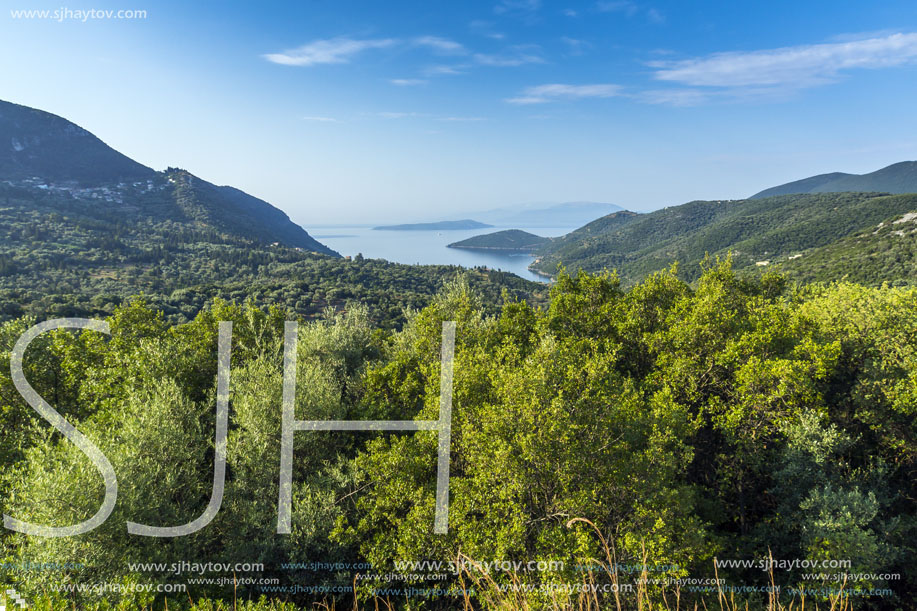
{"x": 569, "y": 12}
{"x": 675, "y": 97}
{"x": 629, "y": 8}
{"x": 789, "y": 67}
{"x": 485, "y": 28}
{"x": 695, "y": 96}
{"x": 616, "y": 6}
{"x": 396, "y": 115}
{"x": 461, "y": 119}
{"x": 549, "y": 93}
{"x": 441, "y": 45}
{"x": 321, "y": 119}
{"x": 857, "y": 36}
{"x": 342, "y": 49}
{"x": 423, "y": 117}
{"x": 576, "y": 45}
{"x": 407, "y": 82}
{"x": 444, "y": 70}
{"x": 330, "y": 51}
{"x": 517, "y": 59}
{"x": 517, "y": 6}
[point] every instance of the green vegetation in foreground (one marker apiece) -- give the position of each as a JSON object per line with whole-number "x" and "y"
{"x": 803, "y": 229}
{"x": 737, "y": 419}
{"x": 510, "y": 240}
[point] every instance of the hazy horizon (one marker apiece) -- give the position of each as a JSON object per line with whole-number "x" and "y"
{"x": 396, "y": 113}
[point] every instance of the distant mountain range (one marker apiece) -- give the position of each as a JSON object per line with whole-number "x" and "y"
{"x": 71, "y": 205}
{"x": 46, "y": 154}
{"x": 896, "y": 178}
{"x": 437, "y": 226}
{"x": 569, "y": 214}
{"x": 509, "y": 241}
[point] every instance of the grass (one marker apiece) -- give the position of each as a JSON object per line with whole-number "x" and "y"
{"x": 598, "y": 590}
{"x": 494, "y": 597}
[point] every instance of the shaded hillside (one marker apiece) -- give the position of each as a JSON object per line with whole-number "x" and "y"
{"x": 34, "y": 143}
{"x": 236, "y": 212}
{"x": 896, "y": 178}
{"x": 41, "y": 154}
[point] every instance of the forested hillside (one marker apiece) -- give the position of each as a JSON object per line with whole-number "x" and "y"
{"x": 67, "y": 256}
{"x": 886, "y": 252}
{"x": 510, "y": 240}
{"x": 758, "y": 233}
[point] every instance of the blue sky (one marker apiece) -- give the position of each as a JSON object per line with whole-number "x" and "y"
{"x": 340, "y": 111}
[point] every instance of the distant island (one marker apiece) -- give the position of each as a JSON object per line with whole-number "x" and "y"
{"x": 510, "y": 240}
{"x": 439, "y": 226}
{"x": 568, "y": 214}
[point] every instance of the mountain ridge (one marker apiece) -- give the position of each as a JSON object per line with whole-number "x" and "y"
{"x": 897, "y": 178}
{"x": 35, "y": 143}
{"x": 42, "y": 152}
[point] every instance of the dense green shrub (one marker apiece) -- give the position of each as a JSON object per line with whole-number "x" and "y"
{"x": 738, "y": 418}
